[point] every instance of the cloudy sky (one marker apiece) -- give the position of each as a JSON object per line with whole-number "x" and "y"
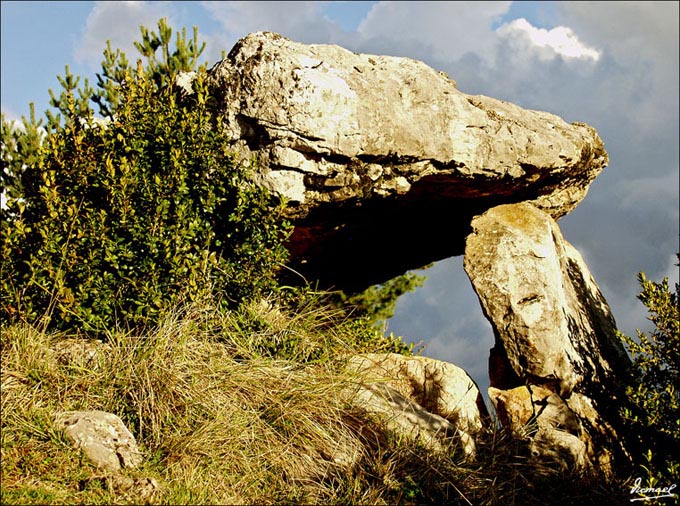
{"x": 613, "y": 65}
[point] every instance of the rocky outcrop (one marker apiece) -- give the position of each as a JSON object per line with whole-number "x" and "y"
{"x": 386, "y": 166}
{"x": 554, "y": 431}
{"x": 421, "y": 397}
{"x": 553, "y": 327}
{"x": 103, "y": 437}
{"x": 369, "y": 148}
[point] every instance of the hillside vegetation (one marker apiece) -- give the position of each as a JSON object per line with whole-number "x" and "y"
{"x": 245, "y": 407}
{"x": 140, "y": 276}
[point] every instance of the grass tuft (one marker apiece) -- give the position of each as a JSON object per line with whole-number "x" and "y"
{"x": 247, "y": 407}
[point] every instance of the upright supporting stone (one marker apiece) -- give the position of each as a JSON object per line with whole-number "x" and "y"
{"x": 553, "y": 330}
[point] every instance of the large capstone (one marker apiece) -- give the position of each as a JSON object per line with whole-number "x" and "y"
{"x": 383, "y": 161}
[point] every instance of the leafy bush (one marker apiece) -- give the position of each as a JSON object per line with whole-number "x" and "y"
{"x": 654, "y": 387}
{"x": 112, "y": 219}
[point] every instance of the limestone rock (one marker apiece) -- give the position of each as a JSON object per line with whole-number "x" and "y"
{"x": 560, "y": 451}
{"x": 421, "y": 397}
{"x": 407, "y": 418}
{"x": 553, "y": 327}
{"x": 542, "y": 416}
{"x": 184, "y": 83}
{"x": 103, "y": 437}
{"x": 366, "y": 148}
{"x": 523, "y": 405}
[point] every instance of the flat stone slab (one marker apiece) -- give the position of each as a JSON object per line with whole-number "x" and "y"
{"x": 379, "y": 151}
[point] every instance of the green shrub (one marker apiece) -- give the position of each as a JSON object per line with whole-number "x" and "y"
{"x": 654, "y": 388}
{"x": 111, "y": 220}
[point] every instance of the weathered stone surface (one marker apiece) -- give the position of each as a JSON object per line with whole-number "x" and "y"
{"x": 519, "y": 406}
{"x": 541, "y": 415}
{"x": 368, "y": 148}
{"x": 561, "y": 451}
{"x": 553, "y": 327}
{"x": 408, "y": 418}
{"x": 103, "y": 437}
{"x": 421, "y": 397}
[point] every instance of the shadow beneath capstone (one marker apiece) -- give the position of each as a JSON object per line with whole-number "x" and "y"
{"x": 354, "y": 245}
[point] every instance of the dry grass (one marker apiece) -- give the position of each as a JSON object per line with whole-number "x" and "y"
{"x": 223, "y": 419}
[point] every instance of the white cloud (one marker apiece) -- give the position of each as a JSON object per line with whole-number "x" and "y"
{"x": 560, "y": 40}
{"x": 423, "y": 30}
{"x": 629, "y": 30}
{"x": 118, "y": 22}
{"x": 641, "y": 39}
{"x": 440, "y": 30}
{"x": 292, "y": 19}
